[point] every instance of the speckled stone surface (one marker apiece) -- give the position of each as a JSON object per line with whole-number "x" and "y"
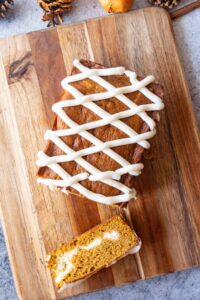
{"x": 182, "y": 285}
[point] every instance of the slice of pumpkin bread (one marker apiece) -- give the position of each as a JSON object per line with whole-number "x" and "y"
{"x": 95, "y": 249}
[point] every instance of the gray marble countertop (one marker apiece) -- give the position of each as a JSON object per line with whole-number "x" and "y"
{"x": 25, "y": 17}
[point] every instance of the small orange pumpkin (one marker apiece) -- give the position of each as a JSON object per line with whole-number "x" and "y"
{"x": 113, "y": 6}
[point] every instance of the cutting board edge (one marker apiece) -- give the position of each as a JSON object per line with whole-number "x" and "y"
{"x": 88, "y": 20}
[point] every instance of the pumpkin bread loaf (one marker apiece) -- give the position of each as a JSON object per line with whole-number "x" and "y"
{"x": 82, "y": 115}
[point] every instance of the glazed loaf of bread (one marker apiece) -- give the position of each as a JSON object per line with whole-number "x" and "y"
{"x": 100, "y": 190}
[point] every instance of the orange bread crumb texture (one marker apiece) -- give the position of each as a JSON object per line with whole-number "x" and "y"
{"x": 93, "y": 250}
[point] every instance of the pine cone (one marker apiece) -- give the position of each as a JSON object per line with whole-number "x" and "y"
{"x": 4, "y": 6}
{"x": 54, "y": 10}
{"x": 165, "y": 3}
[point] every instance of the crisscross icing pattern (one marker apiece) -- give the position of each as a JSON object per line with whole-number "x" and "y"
{"x": 91, "y": 173}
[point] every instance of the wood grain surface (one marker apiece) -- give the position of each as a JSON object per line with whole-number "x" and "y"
{"x": 35, "y": 219}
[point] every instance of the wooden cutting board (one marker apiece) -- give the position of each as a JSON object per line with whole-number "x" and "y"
{"x": 35, "y": 219}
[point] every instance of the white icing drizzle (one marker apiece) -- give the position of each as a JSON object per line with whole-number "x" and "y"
{"x": 64, "y": 262}
{"x": 111, "y": 178}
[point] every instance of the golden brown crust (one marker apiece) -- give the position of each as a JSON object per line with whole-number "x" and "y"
{"x": 81, "y": 115}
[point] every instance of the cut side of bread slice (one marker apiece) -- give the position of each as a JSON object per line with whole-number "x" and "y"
{"x": 95, "y": 249}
